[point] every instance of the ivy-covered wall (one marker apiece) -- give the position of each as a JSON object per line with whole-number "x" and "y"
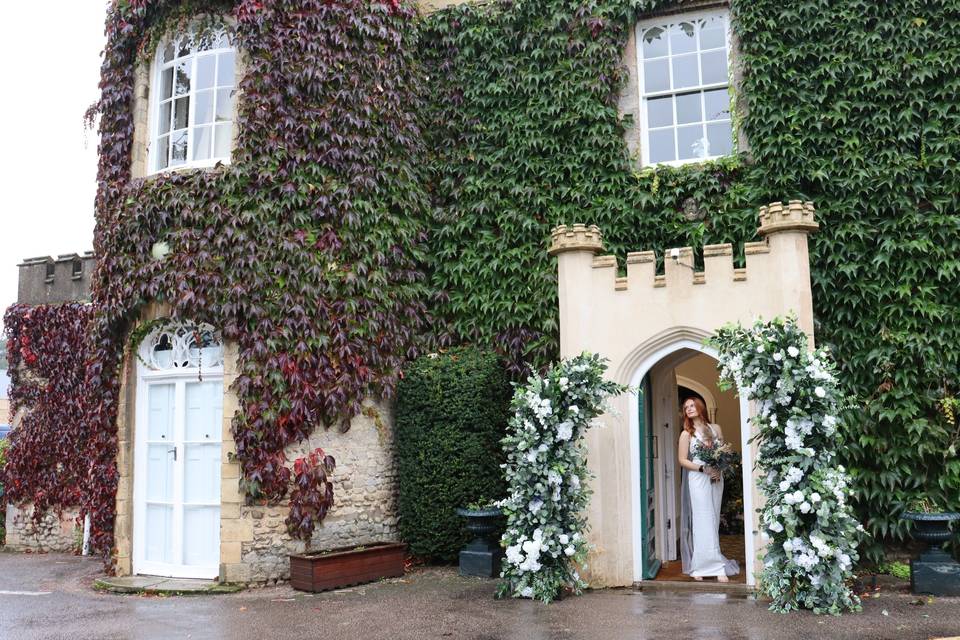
{"x": 850, "y": 104}
{"x": 396, "y": 177}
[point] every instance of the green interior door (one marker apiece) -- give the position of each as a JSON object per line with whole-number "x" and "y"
{"x": 648, "y": 542}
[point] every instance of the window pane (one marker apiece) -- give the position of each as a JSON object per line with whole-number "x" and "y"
{"x": 717, "y": 104}
{"x": 163, "y": 152}
{"x": 712, "y": 33}
{"x": 688, "y": 108}
{"x": 223, "y": 141}
{"x": 166, "y": 83}
{"x": 225, "y": 69}
{"x": 203, "y": 107}
{"x": 661, "y": 146}
{"x": 714, "y": 65}
{"x": 168, "y": 52}
{"x": 654, "y": 43}
{"x": 660, "y": 112}
{"x": 224, "y": 105}
{"x": 201, "y": 142}
{"x": 720, "y": 135}
{"x": 690, "y": 143}
{"x": 682, "y": 38}
{"x": 685, "y": 71}
{"x": 164, "y": 123}
{"x": 183, "y": 46}
{"x": 206, "y": 67}
{"x": 656, "y": 76}
{"x": 183, "y": 78}
{"x": 181, "y": 112}
{"x": 178, "y": 149}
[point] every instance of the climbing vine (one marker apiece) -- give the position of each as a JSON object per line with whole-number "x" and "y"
{"x": 849, "y": 104}
{"x": 46, "y": 462}
{"x": 394, "y": 180}
{"x": 306, "y": 250}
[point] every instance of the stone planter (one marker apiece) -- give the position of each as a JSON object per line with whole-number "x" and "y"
{"x": 344, "y": 567}
{"x": 935, "y": 572}
{"x": 482, "y": 556}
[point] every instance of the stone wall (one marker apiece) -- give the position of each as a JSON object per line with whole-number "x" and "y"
{"x": 50, "y": 534}
{"x": 365, "y": 499}
{"x": 46, "y": 280}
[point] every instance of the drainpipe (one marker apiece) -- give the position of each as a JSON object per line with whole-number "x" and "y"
{"x": 86, "y": 534}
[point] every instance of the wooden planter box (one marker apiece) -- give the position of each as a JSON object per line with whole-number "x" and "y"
{"x": 344, "y": 567}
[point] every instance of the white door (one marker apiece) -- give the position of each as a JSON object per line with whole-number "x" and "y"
{"x": 177, "y": 477}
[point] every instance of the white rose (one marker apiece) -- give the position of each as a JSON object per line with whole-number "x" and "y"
{"x": 814, "y": 497}
{"x": 793, "y": 351}
{"x": 805, "y": 507}
{"x": 564, "y": 539}
{"x": 569, "y": 551}
{"x": 820, "y": 392}
{"x": 527, "y": 592}
{"x": 760, "y": 348}
{"x": 776, "y": 527}
{"x": 778, "y": 357}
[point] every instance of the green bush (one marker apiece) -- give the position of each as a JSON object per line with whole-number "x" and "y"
{"x": 452, "y": 411}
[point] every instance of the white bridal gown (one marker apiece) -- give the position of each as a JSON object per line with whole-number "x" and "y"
{"x": 700, "y": 521}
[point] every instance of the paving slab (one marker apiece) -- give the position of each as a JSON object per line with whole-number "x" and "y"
{"x": 153, "y": 585}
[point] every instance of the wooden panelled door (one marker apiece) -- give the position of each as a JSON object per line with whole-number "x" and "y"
{"x": 648, "y": 526}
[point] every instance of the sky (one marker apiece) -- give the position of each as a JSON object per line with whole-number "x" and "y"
{"x": 49, "y": 166}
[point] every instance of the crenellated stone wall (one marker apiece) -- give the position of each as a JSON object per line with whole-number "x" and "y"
{"x": 643, "y": 317}
{"x": 51, "y": 533}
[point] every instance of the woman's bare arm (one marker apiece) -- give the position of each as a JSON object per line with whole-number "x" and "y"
{"x": 683, "y": 450}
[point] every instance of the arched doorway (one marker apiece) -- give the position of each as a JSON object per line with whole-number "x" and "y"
{"x": 657, "y": 499}
{"x": 177, "y": 453}
{"x": 644, "y": 323}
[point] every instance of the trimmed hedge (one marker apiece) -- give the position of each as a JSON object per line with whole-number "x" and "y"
{"x": 452, "y": 412}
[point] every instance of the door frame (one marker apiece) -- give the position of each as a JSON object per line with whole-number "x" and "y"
{"x": 145, "y": 378}
{"x": 645, "y": 366}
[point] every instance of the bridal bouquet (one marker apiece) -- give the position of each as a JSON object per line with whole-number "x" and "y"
{"x": 719, "y": 455}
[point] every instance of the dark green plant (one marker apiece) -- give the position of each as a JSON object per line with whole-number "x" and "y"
{"x": 452, "y": 411}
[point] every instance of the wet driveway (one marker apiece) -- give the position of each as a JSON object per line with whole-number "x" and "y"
{"x": 49, "y": 596}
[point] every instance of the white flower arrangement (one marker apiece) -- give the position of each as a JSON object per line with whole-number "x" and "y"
{"x": 546, "y": 471}
{"x": 812, "y": 531}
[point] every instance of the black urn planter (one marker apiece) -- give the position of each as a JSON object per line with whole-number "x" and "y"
{"x": 482, "y": 556}
{"x": 935, "y": 572}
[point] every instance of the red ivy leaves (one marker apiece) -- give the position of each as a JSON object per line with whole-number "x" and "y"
{"x": 46, "y": 349}
{"x": 312, "y": 495}
{"x": 306, "y": 251}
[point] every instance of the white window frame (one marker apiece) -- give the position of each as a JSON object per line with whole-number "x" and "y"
{"x": 156, "y": 69}
{"x": 644, "y": 96}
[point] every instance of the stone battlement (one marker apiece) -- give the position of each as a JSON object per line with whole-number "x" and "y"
{"x": 679, "y": 269}
{"x": 46, "y": 280}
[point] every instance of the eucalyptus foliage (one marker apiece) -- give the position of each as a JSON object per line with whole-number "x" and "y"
{"x": 811, "y": 529}
{"x": 546, "y": 471}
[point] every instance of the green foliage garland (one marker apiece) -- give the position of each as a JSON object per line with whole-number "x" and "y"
{"x": 812, "y": 532}
{"x": 850, "y": 104}
{"x": 452, "y": 411}
{"x": 547, "y": 474}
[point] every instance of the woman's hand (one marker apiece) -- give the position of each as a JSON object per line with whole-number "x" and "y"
{"x": 713, "y": 473}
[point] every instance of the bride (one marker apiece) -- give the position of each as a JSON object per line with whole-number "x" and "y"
{"x": 701, "y": 492}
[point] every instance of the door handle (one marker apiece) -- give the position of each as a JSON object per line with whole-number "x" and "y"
{"x": 174, "y": 450}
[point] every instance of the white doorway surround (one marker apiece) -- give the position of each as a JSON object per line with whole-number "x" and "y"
{"x": 664, "y": 359}
{"x": 659, "y": 307}
{"x": 177, "y": 453}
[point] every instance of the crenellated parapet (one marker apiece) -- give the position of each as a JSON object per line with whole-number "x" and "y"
{"x": 795, "y": 216}
{"x": 679, "y": 269}
{"x": 578, "y": 237}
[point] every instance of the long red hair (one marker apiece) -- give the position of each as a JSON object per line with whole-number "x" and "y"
{"x": 701, "y": 411}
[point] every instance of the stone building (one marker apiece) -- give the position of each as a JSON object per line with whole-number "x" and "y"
{"x": 179, "y": 510}
{"x": 45, "y": 280}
